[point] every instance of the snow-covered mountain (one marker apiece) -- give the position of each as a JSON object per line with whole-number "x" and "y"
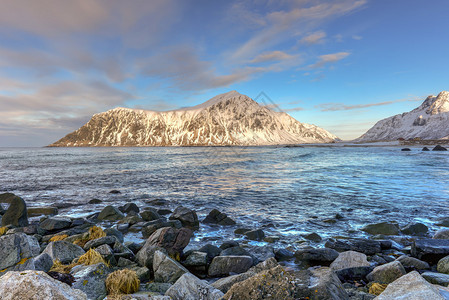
{"x": 227, "y": 119}
{"x": 429, "y": 121}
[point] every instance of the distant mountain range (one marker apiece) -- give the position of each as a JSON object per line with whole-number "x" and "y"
{"x": 227, "y": 119}
{"x": 429, "y": 121}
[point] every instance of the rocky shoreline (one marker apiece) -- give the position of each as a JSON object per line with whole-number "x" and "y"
{"x": 46, "y": 256}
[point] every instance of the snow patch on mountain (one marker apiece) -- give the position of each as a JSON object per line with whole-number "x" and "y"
{"x": 429, "y": 121}
{"x": 227, "y": 119}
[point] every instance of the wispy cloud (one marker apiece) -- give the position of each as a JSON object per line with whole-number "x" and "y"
{"x": 342, "y": 106}
{"x": 329, "y": 58}
{"x": 314, "y": 38}
{"x": 271, "y": 56}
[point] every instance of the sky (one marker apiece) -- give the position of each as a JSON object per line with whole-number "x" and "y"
{"x": 341, "y": 64}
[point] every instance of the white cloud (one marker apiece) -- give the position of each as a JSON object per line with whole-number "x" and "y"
{"x": 329, "y": 58}
{"x": 314, "y": 38}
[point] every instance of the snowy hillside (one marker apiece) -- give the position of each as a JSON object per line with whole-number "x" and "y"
{"x": 429, "y": 121}
{"x": 227, "y": 119}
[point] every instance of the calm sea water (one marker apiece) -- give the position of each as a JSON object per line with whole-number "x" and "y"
{"x": 287, "y": 191}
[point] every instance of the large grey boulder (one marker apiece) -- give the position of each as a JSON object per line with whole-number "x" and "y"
{"x": 415, "y": 228}
{"x": 167, "y": 269}
{"x": 56, "y": 223}
{"x": 42, "y": 262}
{"x": 187, "y": 216}
{"x": 223, "y": 265}
{"x": 189, "y": 287}
{"x": 319, "y": 255}
{"x": 224, "y": 284}
{"x": 413, "y": 287}
{"x": 110, "y": 213}
{"x": 385, "y": 228}
{"x": 366, "y": 246}
{"x": 32, "y": 285}
{"x": 63, "y": 251}
{"x": 436, "y": 278}
{"x": 219, "y": 218}
{"x": 16, "y": 214}
{"x": 430, "y": 250}
{"x": 171, "y": 239}
{"x": 145, "y": 256}
{"x": 106, "y": 240}
{"x": 387, "y": 273}
{"x": 412, "y": 263}
{"x": 15, "y": 247}
{"x": 91, "y": 280}
{"x": 349, "y": 259}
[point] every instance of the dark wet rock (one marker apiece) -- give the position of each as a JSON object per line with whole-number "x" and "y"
{"x": 95, "y": 201}
{"x": 66, "y": 278}
{"x": 276, "y": 283}
{"x": 406, "y": 149}
{"x": 187, "y": 216}
{"x": 444, "y": 222}
{"x": 339, "y": 216}
{"x": 121, "y": 250}
{"x": 224, "y": 284}
{"x": 211, "y": 251}
{"x": 195, "y": 259}
{"x": 150, "y": 214}
{"x": 63, "y": 251}
{"x": 242, "y": 230}
{"x": 439, "y": 148}
{"x": 224, "y": 265}
{"x": 412, "y": 287}
{"x": 442, "y": 234}
{"x": 354, "y": 274}
{"x": 42, "y": 211}
{"x": 425, "y": 149}
{"x": 129, "y": 207}
{"x": 377, "y": 260}
{"x": 271, "y": 239}
{"x": 366, "y": 246}
{"x": 314, "y": 237}
{"x": 430, "y": 250}
{"x": 115, "y": 192}
{"x": 114, "y": 232}
{"x": 283, "y": 254}
{"x": 143, "y": 273}
{"x": 443, "y": 265}
{"x": 32, "y": 229}
{"x": 2, "y": 211}
{"x": 385, "y": 228}
{"x": 16, "y": 214}
{"x": 110, "y": 213}
{"x": 171, "y": 239}
{"x": 262, "y": 253}
{"x": 91, "y": 280}
{"x": 131, "y": 220}
{"x": 134, "y": 247}
{"x": 164, "y": 211}
{"x": 255, "y": 235}
{"x": 167, "y": 269}
{"x": 387, "y": 273}
{"x": 152, "y": 226}
{"x": 436, "y": 278}
{"x": 317, "y": 256}
{"x": 228, "y": 244}
{"x": 158, "y": 202}
{"x": 415, "y": 229}
{"x": 125, "y": 263}
{"x": 107, "y": 252}
{"x": 412, "y": 263}
{"x": 217, "y": 217}
{"x": 15, "y": 247}
{"x": 108, "y": 240}
{"x": 189, "y": 287}
{"x": 56, "y": 223}
{"x": 387, "y": 244}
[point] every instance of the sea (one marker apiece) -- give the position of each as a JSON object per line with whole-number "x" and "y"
{"x": 286, "y": 191}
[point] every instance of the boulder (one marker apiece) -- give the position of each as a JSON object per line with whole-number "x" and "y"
{"x": 276, "y": 283}
{"x": 349, "y": 259}
{"x": 415, "y": 229}
{"x": 255, "y": 235}
{"x": 238, "y": 251}
{"x": 106, "y": 252}
{"x": 425, "y": 149}
{"x": 189, "y": 287}
{"x": 116, "y": 233}
{"x": 31, "y": 285}
{"x": 443, "y": 265}
{"x": 211, "y": 251}
{"x": 224, "y": 265}
{"x": 56, "y": 223}
{"x": 171, "y": 239}
{"x": 228, "y": 244}
{"x": 196, "y": 259}
{"x": 108, "y": 240}
{"x": 314, "y": 237}
{"x": 145, "y": 256}
{"x": 16, "y": 214}
{"x": 16, "y": 247}
{"x": 224, "y": 284}
{"x": 439, "y": 148}
{"x": 442, "y": 234}
{"x": 166, "y": 269}
{"x": 188, "y": 217}
{"x": 436, "y": 278}
{"x": 217, "y": 217}
{"x": 318, "y": 255}
{"x": 110, "y": 213}
{"x": 63, "y": 251}
{"x": 283, "y": 254}
{"x": 412, "y": 263}
{"x": 262, "y": 253}
{"x": 150, "y": 214}
{"x": 94, "y": 201}
{"x": 43, "y": 262}
{"x": 366, "y": 246}
{"x": 91, "y": 280}
{"x": 149, "y": 229}
{"x": 444, "y": 222}
{"x": 430, "y": 250}
{"x": 42, "y": 211}
{"x": 129, "y": 207}
{"x": 387, "y": 273}
{"x": 385, "y": 228}
{"x": 412, "y": 287}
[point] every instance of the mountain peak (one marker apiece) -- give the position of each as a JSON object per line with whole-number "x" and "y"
{"x": 215, "y": 100}
{"x": 439, "y": 104}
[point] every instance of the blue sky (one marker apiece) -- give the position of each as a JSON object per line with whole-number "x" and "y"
{"x": 341, "y": 64}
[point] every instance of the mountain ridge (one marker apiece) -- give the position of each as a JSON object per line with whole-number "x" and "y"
{"x": 226, "y": 119}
